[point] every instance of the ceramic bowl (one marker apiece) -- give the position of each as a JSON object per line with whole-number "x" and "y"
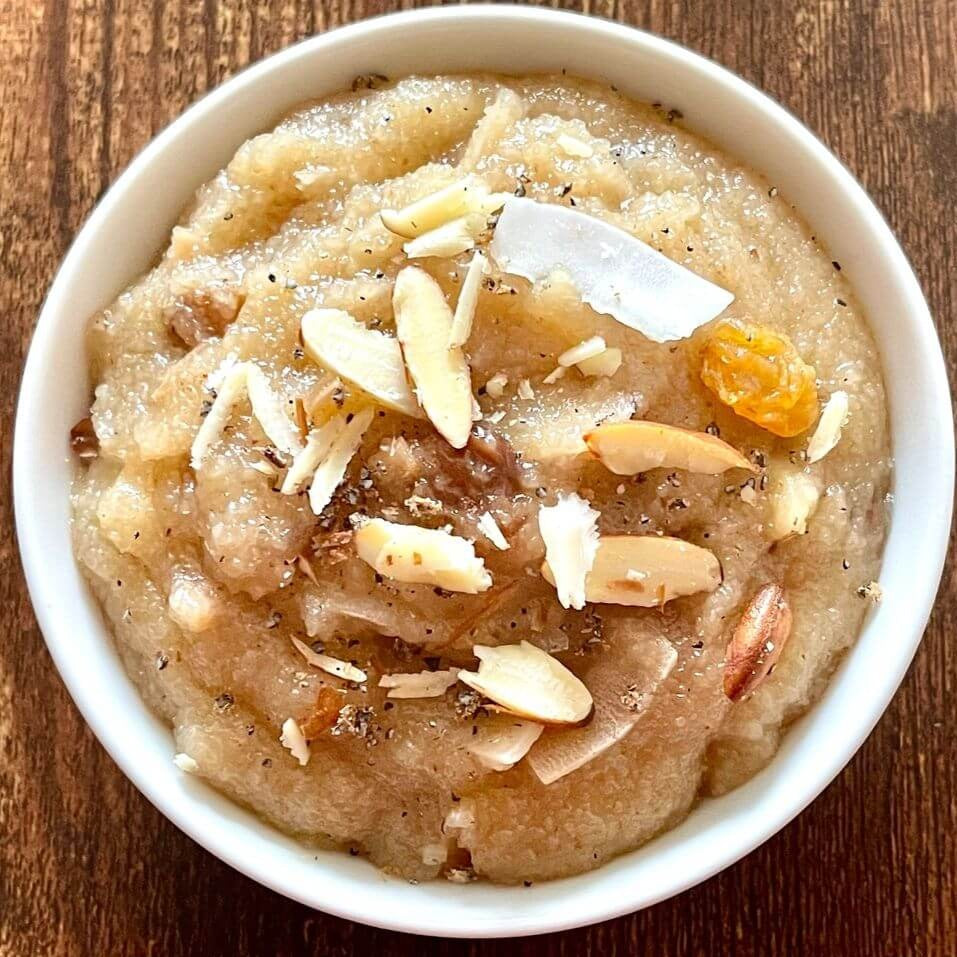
{"x": 132, "y": 222}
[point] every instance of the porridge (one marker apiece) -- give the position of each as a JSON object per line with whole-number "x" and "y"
{"x": 487, "y": 470}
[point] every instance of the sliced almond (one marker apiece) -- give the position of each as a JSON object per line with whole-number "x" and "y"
{"x": 490, "y": 529}
{"x": 525, "y": 390}
{"x": 829, "y": 427}
{"x": 332, "y": 666}
{"x": 185, "y": 763}
{"x": 318, "y": 443}
{"x": 757, "y": 641}
{"x": 467, "y": 301}
{"x": 502, "y": 741}
{"x": 623, "y": 685}
{"x": 530, "y": 683}
{"x": 270, "y": 411}
{"x": 572, "y": 146}
{"x": 451, "y": 202}
{"x": 646, "y": 571}
{"x": 570, "y": 532}
{"x": 294, "y": 741}
{"x": 428, "y": 556}
{"x": 441, "y": 375}
{"x": 588, "y": 349}
{"x": 332, "y": 469}
{"x": 366, "y": 357}
{"x": 606, "y": 364}
{"x": 453, "y": 238}
{"x": 495, "y": 386}
{"x": 792, "y": 498}
{"x": 557, "y": 373}
{"x": 230, "y": 390}
{"x": 627, "y": 448}
{"x": 423, "y": 684}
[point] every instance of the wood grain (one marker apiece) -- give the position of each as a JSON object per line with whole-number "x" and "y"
{"x": 88, "y": 867}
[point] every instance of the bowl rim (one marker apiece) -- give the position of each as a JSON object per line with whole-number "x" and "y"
{"x": 364, "y": 908}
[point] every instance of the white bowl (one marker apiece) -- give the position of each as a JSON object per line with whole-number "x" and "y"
{"x": 131, "y": 223}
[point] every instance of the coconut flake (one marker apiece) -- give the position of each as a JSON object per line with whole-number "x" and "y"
{"x": 332, "y": 666}
{"x": 489, "y": 528}
{"x": 525, "y": 390}
{"x": 185, "y": 763}
{"x": 502, "y": 741}
{"x": 570, "y": 532}
{"x": 467, "y": 301}
{"x": 588, "y": 349}
{"x": 268, "y": 408}
{"x": 615, "y": 273}
{"x": 332, "y": 470}
{"x": 828, "y": 431}
{"x": 423, "y": 684}
{"x": 623, "y": 686}
{"x": 232, "y": 387}
{"x": 318, "y": 443}
{"x": 294, "y": 740}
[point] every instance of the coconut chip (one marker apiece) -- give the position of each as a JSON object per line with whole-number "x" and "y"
{"x": 294, "y": 741}
{"x": 332, "y": 666}
{"x": 615, "y": 273}
{"x": 423, "y": 684}
{"x": 570, "y": 532}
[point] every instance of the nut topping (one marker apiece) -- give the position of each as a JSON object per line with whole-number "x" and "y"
{"x": 757, "y": 642}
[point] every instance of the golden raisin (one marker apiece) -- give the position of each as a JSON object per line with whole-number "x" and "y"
{"x": 759, "y": 374}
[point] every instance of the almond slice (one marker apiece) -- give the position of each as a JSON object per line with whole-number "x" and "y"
{"x": 490, "y": 529}
{"x": 332, "y": 666}
{"x": 317, "y": 446}
{"x": 557, "y": 373}
{"x": 525, "y": 390}
{"x": 424, "y": 684}
{"x": 572, "y": 146}
{"x": 646, "y": 571}
{"x": 569, "y": 529}
{"x": 606, "y": 364}
{"x": 588, "y": 349}
{"x": 269, "y": 410}
{"x": 453, "y": 238}
{"x": 623, "y": 685}
{"x": 757, "y": 641}
{"x": 530, "y": 683}
{"x": 627, "y": 448}
{"x": 427, "y": 556}
{"x": 467, "y": 302}
{"x": 230, "y": 389}
{"x": 441, "y": 375}
{"x": 332, "y": 470}
{"x": 792, "y": 498}
{"x": 502, "y": 741}
{"x": 828, "y": 432}
{"x": 451, "y": 202}
{"x": 294, "y": 741}
{"x": 366, "y": 357}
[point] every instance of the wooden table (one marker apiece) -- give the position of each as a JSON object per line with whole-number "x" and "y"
{"x": 88, "y": 867}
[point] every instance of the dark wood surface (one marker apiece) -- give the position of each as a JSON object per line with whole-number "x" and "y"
{"x": 88, "y": 867}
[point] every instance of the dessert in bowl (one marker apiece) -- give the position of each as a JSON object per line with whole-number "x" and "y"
{"x": 477, "y": 501}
